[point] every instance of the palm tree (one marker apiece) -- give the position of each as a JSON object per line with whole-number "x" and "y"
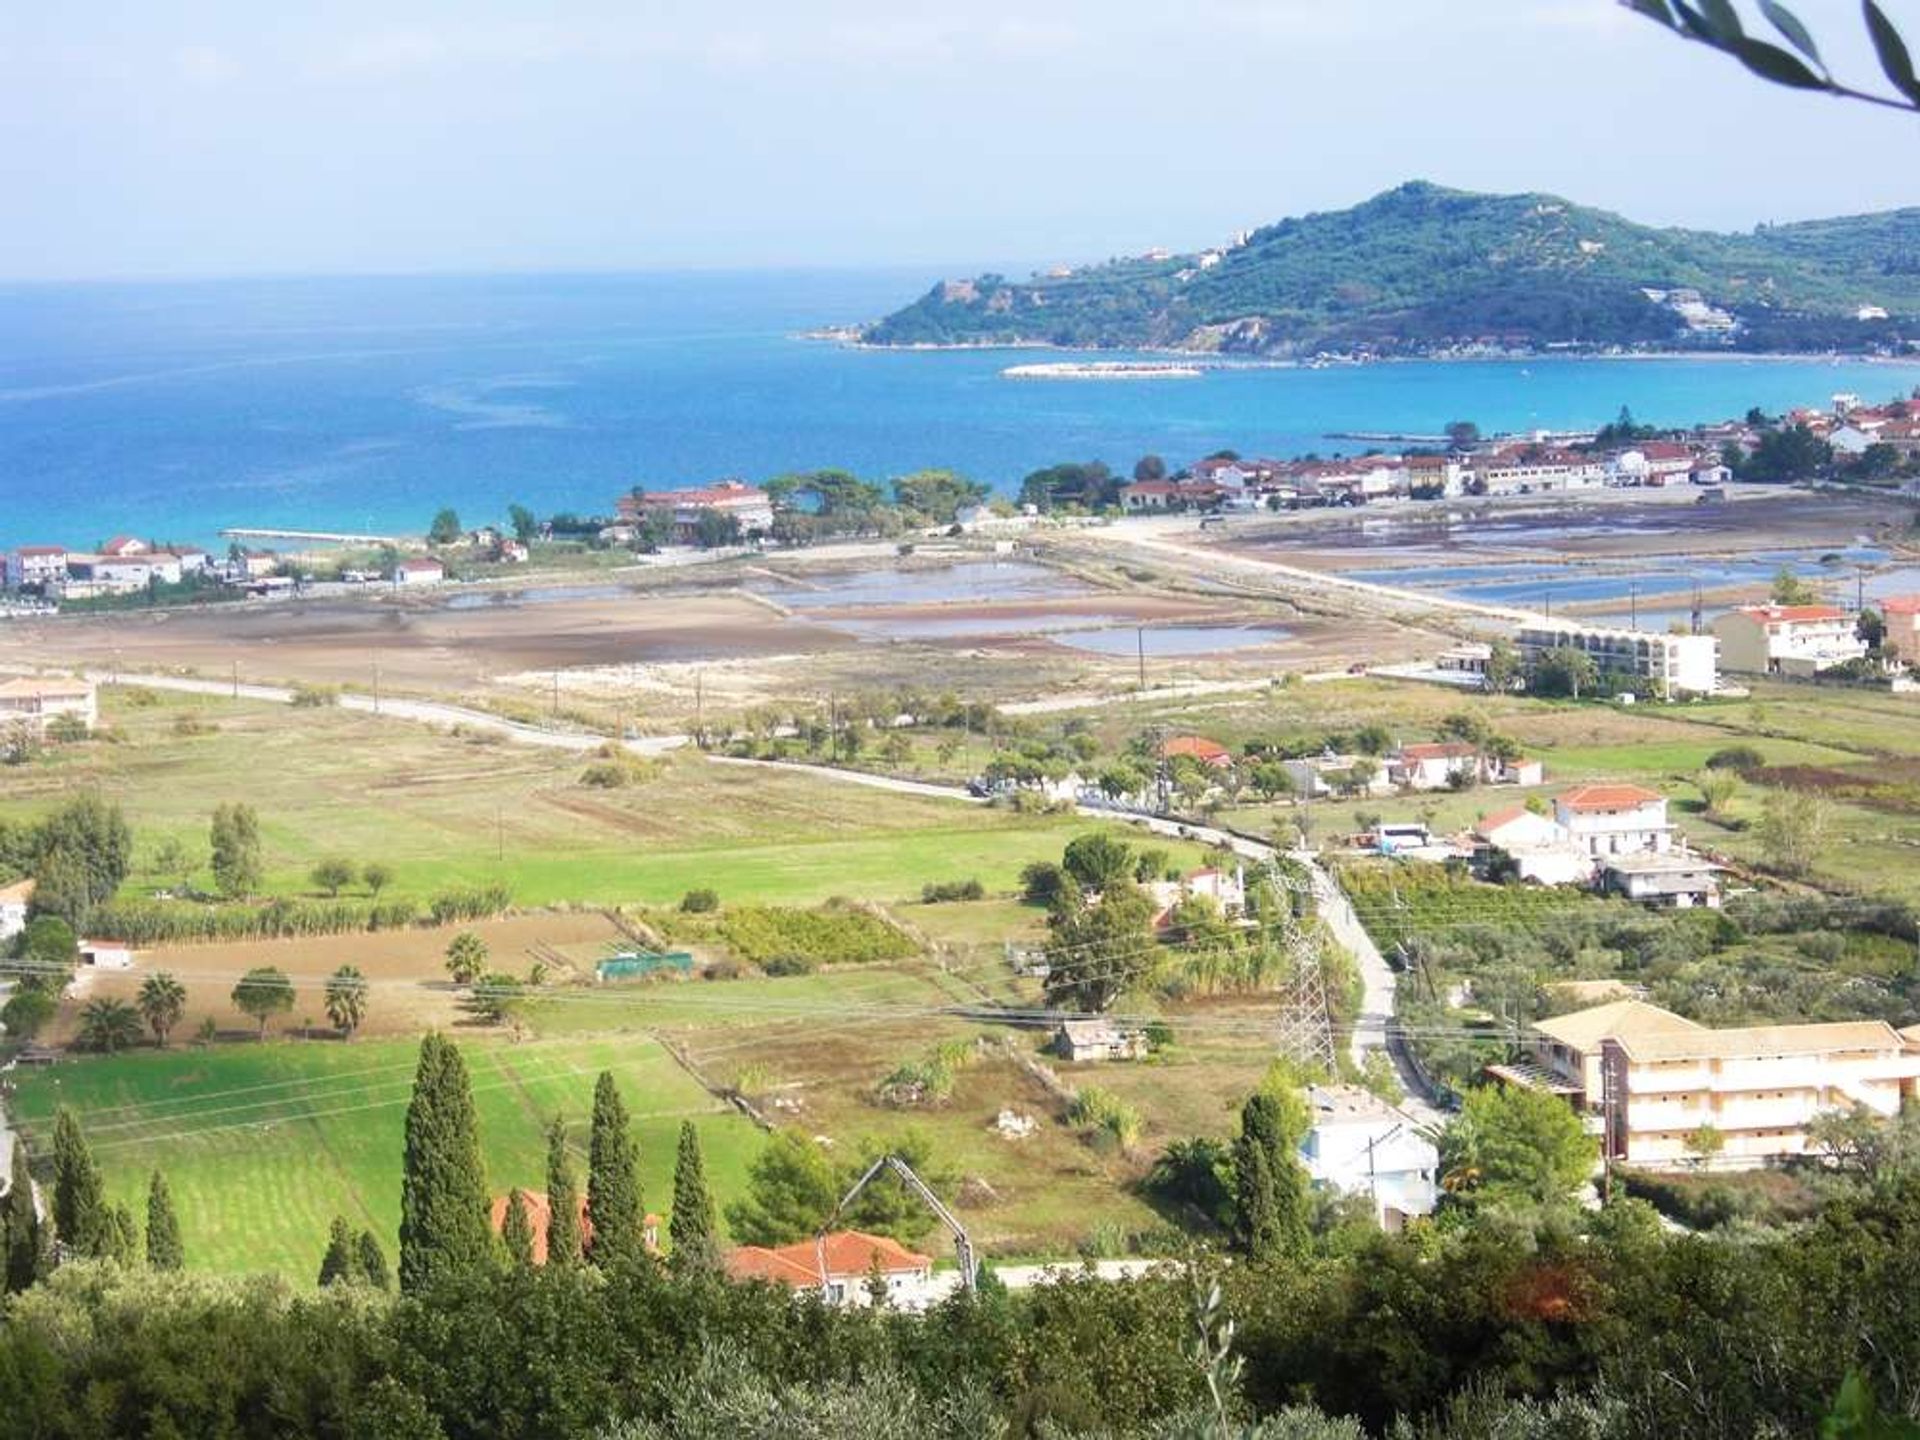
{"x": 162, "y": 1001}
{"x": 466, "y": 957}
{"x": 109, "y": 1025}
{"x": 347, "y": 999}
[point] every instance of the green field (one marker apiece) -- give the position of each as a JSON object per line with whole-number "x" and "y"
{"x": 446, "y": 811}
{"x": 264, "y": 1144}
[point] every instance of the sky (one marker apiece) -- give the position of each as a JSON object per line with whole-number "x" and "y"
{"x": 226, "y": 137}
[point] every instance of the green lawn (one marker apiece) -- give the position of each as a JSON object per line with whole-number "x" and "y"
{"x": 264, "y": 1144}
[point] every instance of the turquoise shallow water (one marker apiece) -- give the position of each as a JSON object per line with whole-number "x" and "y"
{"x": 175, "y": 410}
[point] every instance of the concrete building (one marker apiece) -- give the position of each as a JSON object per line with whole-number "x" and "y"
{"x": 419, "y": 571}
{"x": 1608, "y": 820}
{"x": 36, "y": 700}
{"x": 15, "y": 900}
{"x": 1569, "y": 1047}
{"x": 1361, "y": 1145}
{"x": 35, "y": 567}
{"x": 1672, "y": 880}
{"x": 748, "y": 505}
{"x": 843, "y": 1269}
{"x": 1797, "y": 640}
{"x": 1530, "y": 846}
{"x": 1085, "y": 1041}
{"x": 1673, "y": 665}
{"x": 1758, "y": 1087}
{"x": 1902, "y": 614}
{"x": 1434, "y": 766}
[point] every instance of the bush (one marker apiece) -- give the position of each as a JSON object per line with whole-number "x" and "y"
{"x": 313, "y": 697}
{"x": 836, "y": 933}
{"x": 1741, "y": 759}
{"x": 483, "y": 903}
{"x": 950, "y": 890}
{"x": 190, "y": 725}
{"x": 779, "y": 965}
{"x": 606, "y": 775}
{"x": 700, "y": 902}
{"x": 1104, "y": 1118}
{"x": 146, "y": 923}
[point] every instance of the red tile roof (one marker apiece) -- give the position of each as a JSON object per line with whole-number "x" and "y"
{"x": 540, "y": 1216}
{"x": 1901, "y": 605}
{"x": 850, "y": 1254}
{"x": 1500, "y": 819}
{"x": 1609, "y": 797}
{"x": 1439, "y": 750}
{"x": 1209, "y": 751}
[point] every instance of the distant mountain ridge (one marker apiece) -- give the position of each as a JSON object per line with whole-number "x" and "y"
{"x": 1422, "y": 269}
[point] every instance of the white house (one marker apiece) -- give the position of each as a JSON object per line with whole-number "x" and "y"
{"x": 1316, "y": 775}
{"x": 420, "y": 570}
{"x": 35, "y": 567}
{"x": 1537, "y": 846}
{"x": 1361, "y": 1145}
{"x": 843, "y": 1269}
{"x": 106, "y": 954}
{"x": 35, "y": 701}
{"x": 1606, "y": 820}
{"x": 1085, "y": 1041}
{"x": 1433, "y": 766}
{"x": 14, "y": 901}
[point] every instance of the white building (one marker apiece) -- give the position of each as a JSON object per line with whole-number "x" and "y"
{"x": 1606, "y": 820}
{"x": 418, "y": 571}
{"x": 1673, "y": 665}
{"x": 748, "y": 505}
{"x": 35, "y": 700}
{"x": 1799, "y": 640}
{"x": 1537, "y": 847}
{"x": 15, "y": 899}
{"x": 1315, "y": 776}
{"x": 1672, "y": 880}
{"x": 843, "y": 1268}
{"x": 35, "y": 567}
{"x": 1361, "y": 1145}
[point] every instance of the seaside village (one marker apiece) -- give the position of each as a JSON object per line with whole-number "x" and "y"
{"x": 1644, "y": 1078}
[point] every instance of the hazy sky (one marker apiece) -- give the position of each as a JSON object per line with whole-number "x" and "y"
{"x": 207, "y": 137}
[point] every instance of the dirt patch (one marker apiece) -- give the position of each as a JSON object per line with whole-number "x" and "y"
{"x": 1889, "y": 785}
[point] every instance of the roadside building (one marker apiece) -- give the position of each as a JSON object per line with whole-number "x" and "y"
{"x": 1145, "y": 497}
{"x": 1656, "y": 463}
{"x": 1798, "y": 640}
{"x": 511, "y": 552}
{"x": 683, "y": 510}
{"x": 1314, "y": 776}
{"x": 1207, "y": 752}
{"x": 843, "y": 1268}
{"x": 104, "y": 954}
{"x": 418, "y": 571}
{"x": 1672, "y": 665}
{"x": 1531, "y": 847}
{"x": 1758, "y": 1088}
{"x": 1361, "y": 1145}
{"x": 1569, "y": 1047}
{"x": 35, "y": 700}
{"x": 1470, "y": 657}
{"x": 1434, "y": 766}
{"x": 15, "y": 900}
{"x": 105, "y": 574}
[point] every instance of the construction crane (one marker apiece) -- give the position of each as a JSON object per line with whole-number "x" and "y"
{"x": 962, "y": 1242}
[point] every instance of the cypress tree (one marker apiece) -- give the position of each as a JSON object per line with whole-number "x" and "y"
{"x": 337, "y": 1265}
{"x": 371, "y": 1261}
{"x": 79, "y": 1206}
{"x": 443, "y": 1193}
{"x": 613, "y": 1179}
{"x": 122, "y": 1236}
{"x": 1271, "y": 1184}
{"x": 517, "y": 1231}
{"x": 21, "y": 1232}
{"x": 695, "y": 1246}
{"x": 164, "y": 1250}
{"x": 563, "y": 1199}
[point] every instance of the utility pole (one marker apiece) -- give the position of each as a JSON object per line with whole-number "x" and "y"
{"x": 1140, "y": 643}
{"x": 699, "y": 701}
{"x": 556, "y": 694}
{"x": 376, "y": 684}
{"x": 1633, "y": 606}
{"x": 236, "y": 677}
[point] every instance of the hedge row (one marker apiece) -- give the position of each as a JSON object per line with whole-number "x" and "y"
{"x": 147, "y": 923}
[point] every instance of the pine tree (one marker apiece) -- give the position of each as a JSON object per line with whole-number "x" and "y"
{"x": 80, "y": 1216}
{"x": 122, "y": 1236}
{"x": 443, "y": 1192}
{"x": 563, "y": 1199}
{"x": 372, "y": 1261}
{"x": 613, "y": 1179}
{"x": 164, "y": 1250}
{"x": 337, "y": 1265}
{"x": 22, "y": 1234}
{"x": 517, "y": 1231}
{"x": 695, "y": 1247}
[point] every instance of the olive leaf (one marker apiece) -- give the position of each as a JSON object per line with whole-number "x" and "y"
{"x": 1892, "y": 50}
{"x": 1788, "y": 24}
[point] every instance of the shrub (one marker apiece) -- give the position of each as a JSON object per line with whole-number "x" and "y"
{"x": 190, "y": 725}
{"x": 606, "y": 775}
{"x": 482, "y": 903}
{"x": 779, "y": 965}
{"x": 313, "y": 697}
{"x": 950, "y": 890}
{"x": 1741, "y": 759}
{"x": 835, "y": 933}
{"x": 1104, "y": 1118}
{"x": 700, "y": 902}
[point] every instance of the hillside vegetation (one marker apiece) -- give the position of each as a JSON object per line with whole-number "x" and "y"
{"x": 1423, "y": 268}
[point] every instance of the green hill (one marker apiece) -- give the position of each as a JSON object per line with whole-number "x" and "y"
{"x": 1421, "y": 269}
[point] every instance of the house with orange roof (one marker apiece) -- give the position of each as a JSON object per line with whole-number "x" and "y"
{"x": 1207, "y": 752}
{"x": 540, "y": 1221}
{"x": 843, "y": 1268}
{"x": 1787, "y": 639}
{"x": 682, "y": 510}
{"x": 1614, "y": 819}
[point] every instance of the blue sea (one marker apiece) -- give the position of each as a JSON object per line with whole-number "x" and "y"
{"x": 174, "y": 410}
